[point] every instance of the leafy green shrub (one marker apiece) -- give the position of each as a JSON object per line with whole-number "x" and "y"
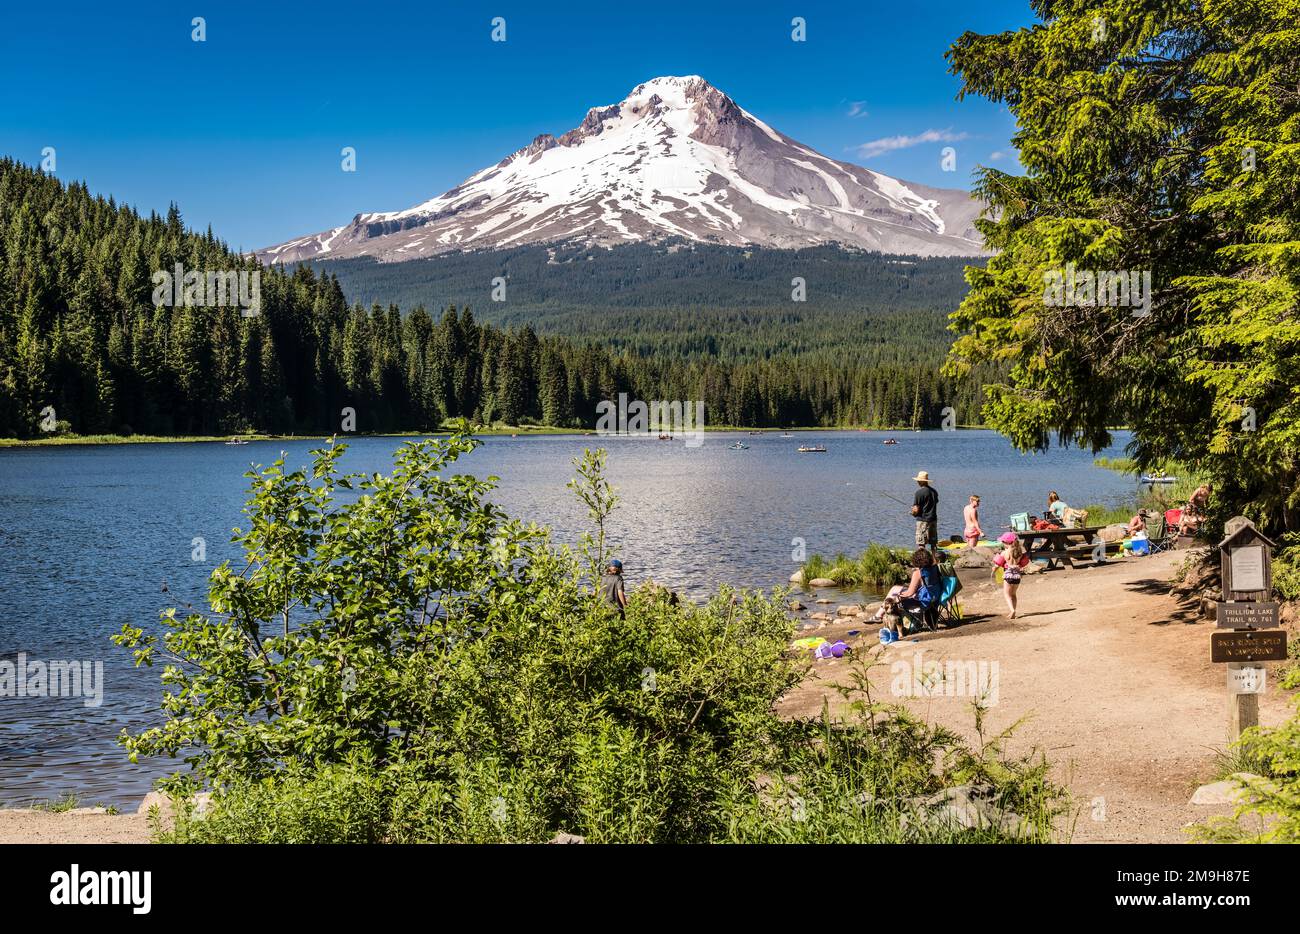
{"x": 856, "y": 780}
{"x": 1286, "y": 569}
{"x": 1270, "y": 809}
{"x": 877, "y": 566}
{"x": 884, "y": 566}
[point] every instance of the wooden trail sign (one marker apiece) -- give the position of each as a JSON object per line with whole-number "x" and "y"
{"x": 1247, "y": 620}
{"x": 1246, "y": 561}
{"x": 1250, "y": 645}
{"x": 1247, "y": 615}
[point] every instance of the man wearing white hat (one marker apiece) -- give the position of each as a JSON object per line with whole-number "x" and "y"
{"x": 926, "y": 510}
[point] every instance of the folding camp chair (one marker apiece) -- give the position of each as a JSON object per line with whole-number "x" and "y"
{"x": 1161, "y": 535}
{"x": 922, "y": 619}
{"x": 947, "y": 610}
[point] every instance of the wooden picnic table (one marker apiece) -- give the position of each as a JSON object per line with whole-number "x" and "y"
{"x": 1057, "y": 544}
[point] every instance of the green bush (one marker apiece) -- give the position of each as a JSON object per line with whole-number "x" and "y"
{"x": 1269, "y": 812}
{"x": 877, "y": 566}
{"x": 856, "y": 780}
{"x": 1286, "y": 569}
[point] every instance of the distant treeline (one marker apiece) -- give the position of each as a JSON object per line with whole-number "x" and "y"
{"x": 83, "y": 344}
{"x": 555, "y": 279}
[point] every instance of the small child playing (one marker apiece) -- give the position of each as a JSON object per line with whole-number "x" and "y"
{"x": 1012, "y": 560}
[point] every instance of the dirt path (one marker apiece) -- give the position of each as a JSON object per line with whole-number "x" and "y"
{"x": 1113, "y": 674}
{"x": 30, "y": 826}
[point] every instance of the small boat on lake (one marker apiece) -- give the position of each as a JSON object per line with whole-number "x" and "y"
{"x": 1158, "y": 478}
{"x": 738, "y": 446}
{"x": 236, "y": 441}
{"x": 890, "y": 441}
{"x": 812, "y": 449}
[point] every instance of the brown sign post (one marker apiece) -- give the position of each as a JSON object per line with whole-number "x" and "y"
{"x": 1248, "y": 646}
{"x": 1247, "y": 620}
{"x": 1248, "y": 615}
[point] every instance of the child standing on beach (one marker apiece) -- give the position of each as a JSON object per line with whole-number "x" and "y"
{"x": 971, "y": 514}
{"x": 1012, "y": 560}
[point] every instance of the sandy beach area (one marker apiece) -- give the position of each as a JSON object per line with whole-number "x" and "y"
{"x": 1109, "y": 672}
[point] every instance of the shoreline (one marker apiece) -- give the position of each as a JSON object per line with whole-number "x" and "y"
{"x": 1065, "y": 665}
{"x": 502, "y": 431}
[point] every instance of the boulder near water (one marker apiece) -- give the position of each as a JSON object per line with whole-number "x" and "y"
{"x": 1113, "y": 533}
{"x": 974, "y": 558}
{"x": 821, "y": 582}
{"x": 202, "y": 801}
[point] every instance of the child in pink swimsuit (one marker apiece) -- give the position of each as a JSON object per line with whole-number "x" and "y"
{"x": 1012, "y": 560}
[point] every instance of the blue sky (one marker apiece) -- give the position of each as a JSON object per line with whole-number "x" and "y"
{"x": 244, "y": 130}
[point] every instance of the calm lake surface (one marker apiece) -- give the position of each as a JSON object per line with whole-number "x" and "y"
{"x": 90, "y": 534}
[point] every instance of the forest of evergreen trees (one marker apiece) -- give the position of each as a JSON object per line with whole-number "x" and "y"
{"x": 81, "y": 335}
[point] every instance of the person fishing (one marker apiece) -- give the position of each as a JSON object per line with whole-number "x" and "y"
{"x": 925, "y": 507}
{"x": 611, "y": 588}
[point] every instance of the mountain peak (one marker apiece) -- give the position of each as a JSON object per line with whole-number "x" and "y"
{"x": 674, "y": 90}
{"x": 677, "y": 157}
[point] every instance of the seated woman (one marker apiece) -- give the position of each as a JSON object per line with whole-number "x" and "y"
{"x": 1195, "y": 510}
{"x": 1137, "y": 524}
{"x": 1055, "y": 508}
{"x": 921, "y": 593}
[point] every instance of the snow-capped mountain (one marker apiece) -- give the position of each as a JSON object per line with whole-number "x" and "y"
{"x": 675, "y": 158}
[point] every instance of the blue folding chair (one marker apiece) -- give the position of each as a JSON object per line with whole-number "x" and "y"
{"x": 949, "y": 609}
{"x": 946, "y": 610}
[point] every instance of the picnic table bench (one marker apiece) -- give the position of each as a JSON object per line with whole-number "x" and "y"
{"x": 1060, "y": 544}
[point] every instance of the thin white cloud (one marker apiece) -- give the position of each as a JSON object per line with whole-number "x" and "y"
{"x": 877, "y": 147}
{"x": 857, "y": 109}
{"x": 995, "y": 156}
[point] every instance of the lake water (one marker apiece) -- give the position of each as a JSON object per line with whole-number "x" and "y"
{"x": 90, "y": 535}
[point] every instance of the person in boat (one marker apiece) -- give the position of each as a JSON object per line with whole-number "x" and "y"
{"x": 611, "y": 588}
{"x": 972, "y": 532}
{"x": 925, "y": 509}
{"x": 1194, "y": 512}
{"x": 921, "y": 592}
